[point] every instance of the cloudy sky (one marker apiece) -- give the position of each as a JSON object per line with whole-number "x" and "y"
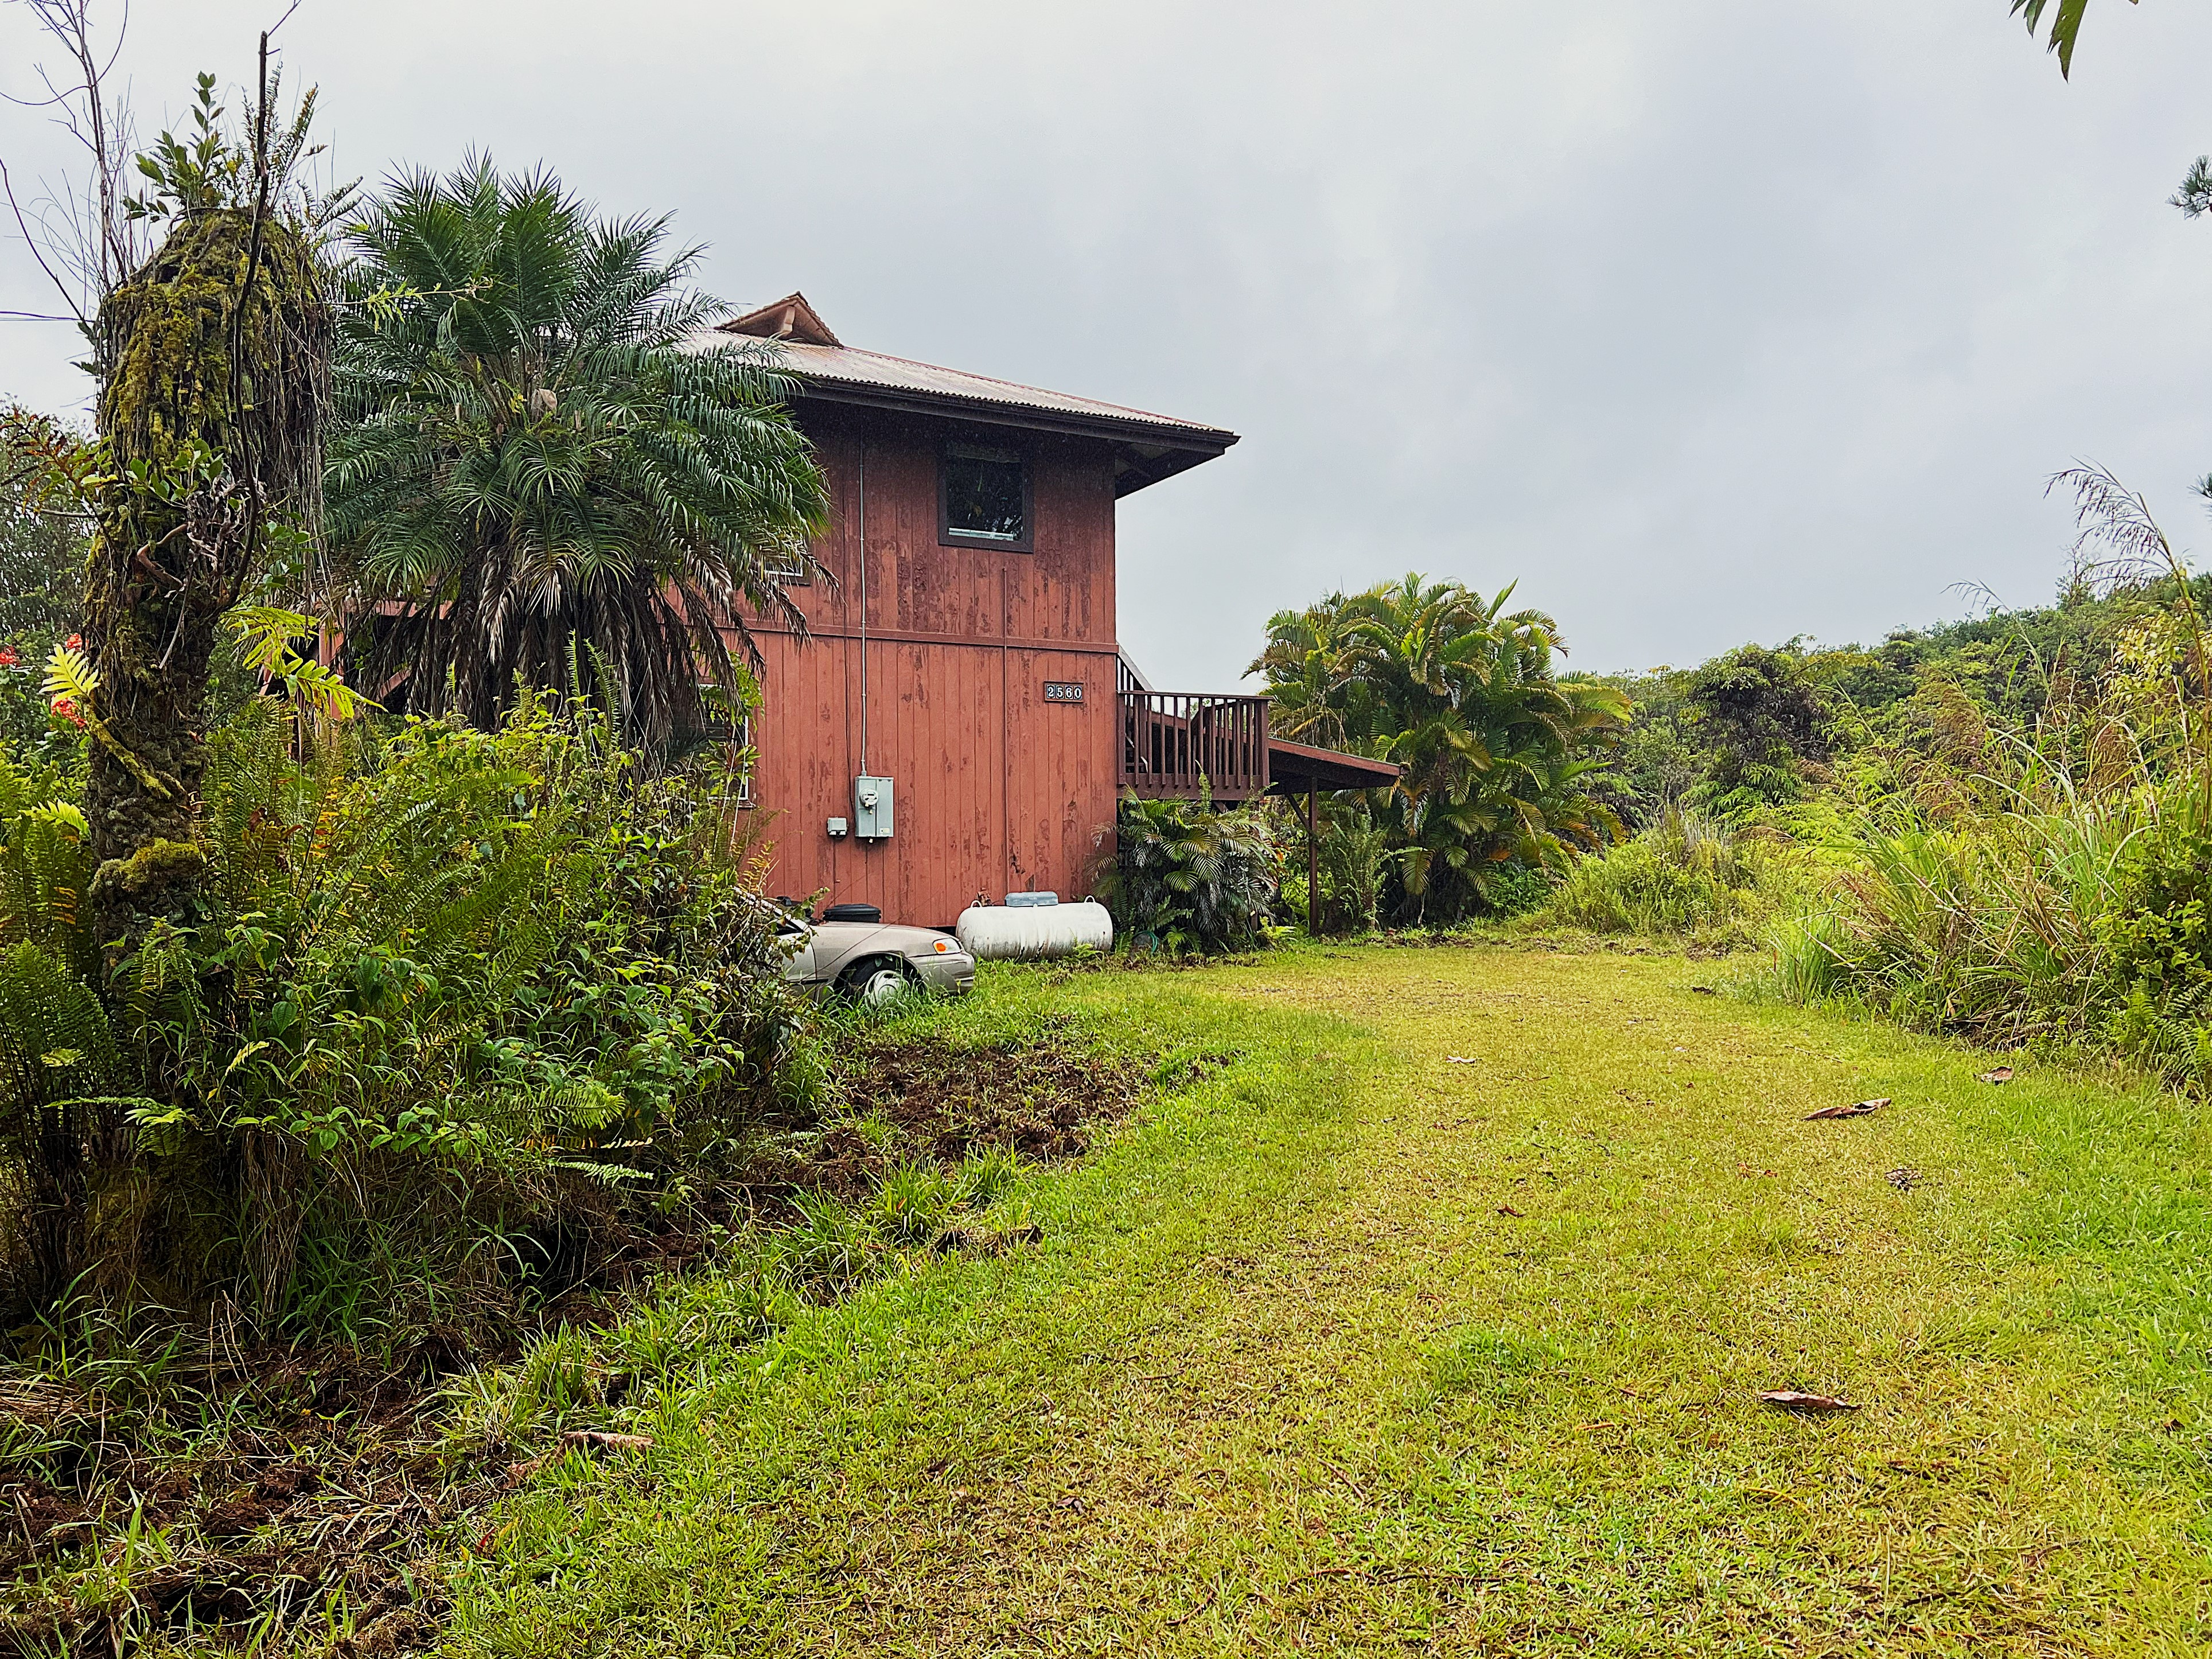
{"x": 1716, "y": 320}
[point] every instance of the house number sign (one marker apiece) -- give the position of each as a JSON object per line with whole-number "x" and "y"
{"x": 1063, "y": 691}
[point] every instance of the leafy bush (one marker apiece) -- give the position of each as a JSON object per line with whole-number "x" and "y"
{"x": 1189, "y": 878}
{"x": 454, "y": 1002}
{"x": 1515, "y": 889}
{"x": 1758, "y": 717}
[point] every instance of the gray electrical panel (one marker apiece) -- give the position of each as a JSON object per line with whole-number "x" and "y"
{"x": 872, "y": 809}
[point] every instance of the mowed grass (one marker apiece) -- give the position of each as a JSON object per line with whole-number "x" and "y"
{"x": 1353, "y": 1348}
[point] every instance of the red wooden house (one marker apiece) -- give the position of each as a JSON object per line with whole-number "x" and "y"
{"x": 959, "y": 720}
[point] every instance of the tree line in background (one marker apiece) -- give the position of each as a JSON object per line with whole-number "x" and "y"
{"x": 1499, "y": 754}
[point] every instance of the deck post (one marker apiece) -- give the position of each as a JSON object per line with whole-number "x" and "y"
{"x": 1313, "y": 857}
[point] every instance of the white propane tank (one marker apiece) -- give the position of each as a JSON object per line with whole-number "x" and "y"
{"x": 1015, "y": 933}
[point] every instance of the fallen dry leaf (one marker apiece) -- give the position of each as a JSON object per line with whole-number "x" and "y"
{"x": 2002, "y": 1074}
{"x": 1746, "y": 1171}
{"x": 1706, "y": 990}
{"x": 1856, "y": 1109}
{"x": 1790, "y": 1401}
{"x": 1507, "y": 1209}
{"x": 1462, "y": 1060}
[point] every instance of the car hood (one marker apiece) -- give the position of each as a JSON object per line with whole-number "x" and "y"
{"x": 838, "y": 942}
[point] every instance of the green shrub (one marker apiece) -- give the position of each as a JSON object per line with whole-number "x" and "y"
{"x": 2076, "y": 922}
{"x": 455, "y": 1001}
{"x": 1355, "y": 860}
{"x": 1516, "y": 889}
{"x": 1188, "y": 878}
{"x": 2158, "y": 927}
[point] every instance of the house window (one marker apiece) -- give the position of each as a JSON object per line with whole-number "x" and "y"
{"x": 790, "y": 568}
{"x": 984, "y": 498}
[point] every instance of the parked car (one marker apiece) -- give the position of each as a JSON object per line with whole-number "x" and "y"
{"x": 853, "y": 951}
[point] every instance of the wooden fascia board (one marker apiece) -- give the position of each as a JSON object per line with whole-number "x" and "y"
{"x": 1185, "y": 448}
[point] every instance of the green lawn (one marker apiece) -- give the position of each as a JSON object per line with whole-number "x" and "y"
{"x": 1287, "y": 1373}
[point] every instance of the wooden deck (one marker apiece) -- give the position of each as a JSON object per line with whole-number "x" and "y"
{"x": 1182, "y": 744}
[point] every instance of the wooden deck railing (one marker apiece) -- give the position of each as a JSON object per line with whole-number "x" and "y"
{"x": 1176, "y": 743}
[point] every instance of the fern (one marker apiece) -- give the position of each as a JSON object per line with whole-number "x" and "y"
{"x": 445, "y": 982}
{"x": 45, "y": 867}
{"x": 267, "y": 632}
{"x": 71, "y": 682}
{"x": 70, "y": 673}
{"x": 58, "y": 1070}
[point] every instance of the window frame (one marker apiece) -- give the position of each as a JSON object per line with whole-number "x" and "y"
{"x": 798, "y": 572}
{"x": 947, "y": 536}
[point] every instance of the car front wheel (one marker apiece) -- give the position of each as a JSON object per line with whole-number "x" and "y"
{"x": 873, "y": 983}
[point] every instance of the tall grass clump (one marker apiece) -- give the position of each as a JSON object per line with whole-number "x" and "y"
{"x": 2057, "y": 890}
{"x": 1689, "y": 876}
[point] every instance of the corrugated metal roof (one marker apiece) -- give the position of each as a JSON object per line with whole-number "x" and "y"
{"x": 847, "y": 366}
{"x": 850, "y": 365}
{"x": 1147, "y": 447}
{"x": 815, "y": 353}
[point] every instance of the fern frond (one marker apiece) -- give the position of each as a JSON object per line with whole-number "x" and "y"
{"x": 70, "y": 673}
{"x": 268, "y": 631}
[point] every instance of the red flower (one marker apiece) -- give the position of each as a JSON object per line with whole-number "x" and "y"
{"x": 66, "y": 708}
{"x": 8, "y": 659}
{"x": 76, "y": 641}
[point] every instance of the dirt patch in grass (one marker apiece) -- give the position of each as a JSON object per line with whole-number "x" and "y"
{"x": 324, "y": 1491}
{"x": 904, "y": 1098}
{"x": 1042, "y": 1100}
{"x": 296, "y": 1487}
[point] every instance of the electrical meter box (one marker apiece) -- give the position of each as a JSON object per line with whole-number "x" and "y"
{"x": 872, "y": 809}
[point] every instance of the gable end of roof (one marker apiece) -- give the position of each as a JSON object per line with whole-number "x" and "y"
{"x": 788, "y": 319}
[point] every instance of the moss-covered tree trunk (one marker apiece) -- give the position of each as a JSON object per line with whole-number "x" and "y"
{"x": 214, "y": 369}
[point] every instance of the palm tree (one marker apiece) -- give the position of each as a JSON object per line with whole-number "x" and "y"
{"x": 533, "y": 455}
{"x": 1495, "y": 750}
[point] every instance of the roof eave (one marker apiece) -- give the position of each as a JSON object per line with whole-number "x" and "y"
{"x": 1294, "y": 768}
{"x": 1173, "y": 448}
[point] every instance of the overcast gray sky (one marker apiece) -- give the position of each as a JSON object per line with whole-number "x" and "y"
{"x": 1715, "y": 320}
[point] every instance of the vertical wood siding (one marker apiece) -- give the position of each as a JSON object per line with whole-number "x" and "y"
{"x": 995, "y": 789}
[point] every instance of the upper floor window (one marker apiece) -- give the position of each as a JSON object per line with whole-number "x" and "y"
{"x": 985, "y": 497}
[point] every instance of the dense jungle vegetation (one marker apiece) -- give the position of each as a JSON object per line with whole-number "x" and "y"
{"x": 1999, "y": 828}
{"x": 347, "y": 1041}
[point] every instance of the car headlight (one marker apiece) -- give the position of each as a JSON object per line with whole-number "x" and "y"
{"x": 941, "y": 946}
